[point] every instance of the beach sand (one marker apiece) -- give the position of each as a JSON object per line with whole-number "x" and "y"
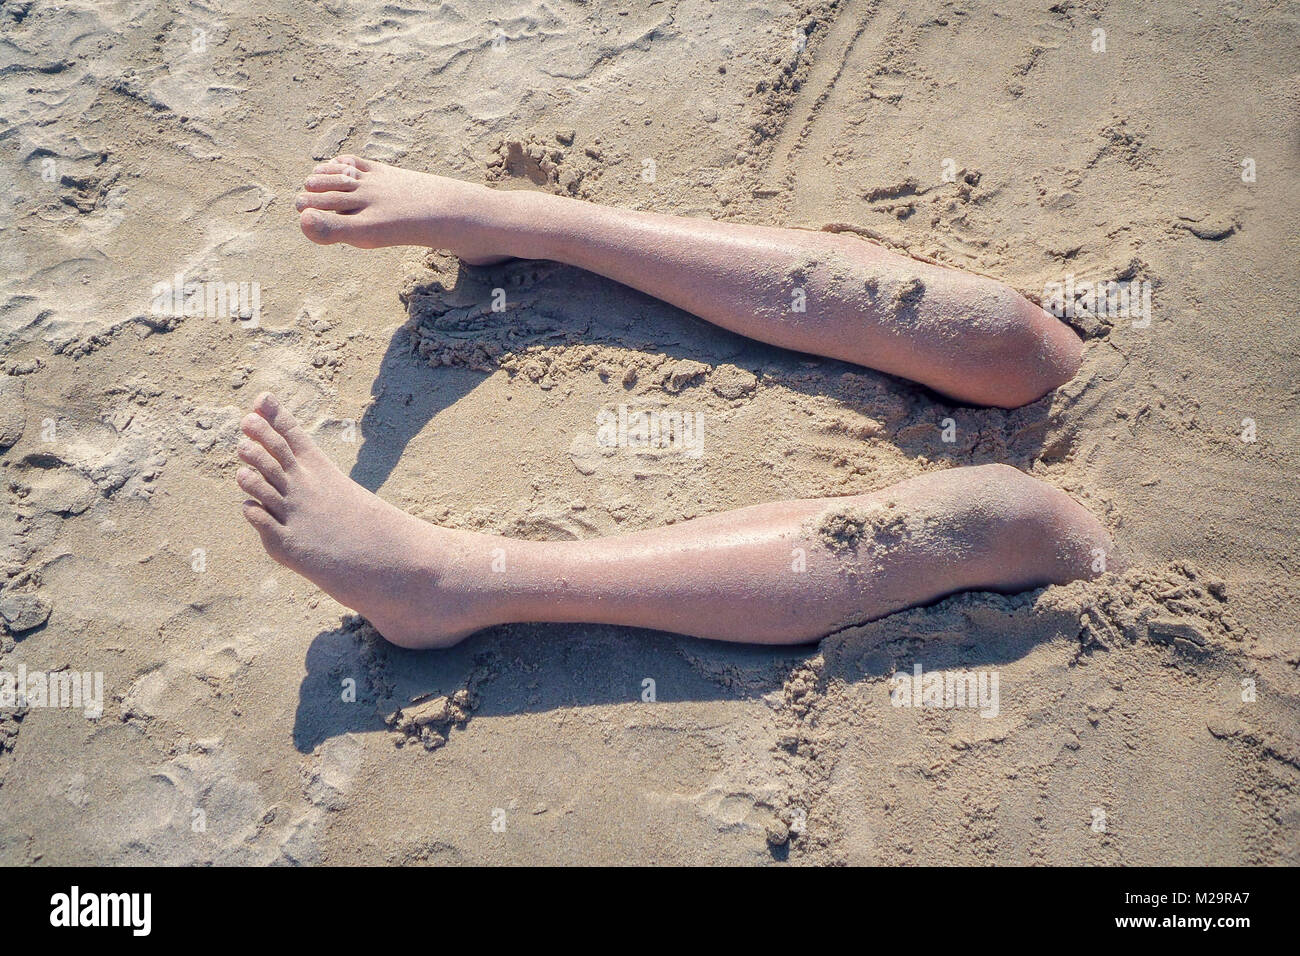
{"x": 1150, "y": 716}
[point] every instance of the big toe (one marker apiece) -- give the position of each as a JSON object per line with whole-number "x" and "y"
{"x": 322, "y": 226}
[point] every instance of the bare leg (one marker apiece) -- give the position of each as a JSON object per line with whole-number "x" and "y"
{"x": 780, "y": 573}
{"x": 966, "y": 336}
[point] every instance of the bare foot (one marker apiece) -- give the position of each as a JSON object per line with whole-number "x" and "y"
{"x": 987, "y": 528}
{"x": 368, "y": 204}
{"x": 408, "y": 577}
{"x": 966, "y": 336}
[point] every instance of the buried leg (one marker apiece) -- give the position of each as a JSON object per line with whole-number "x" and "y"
{"x": 964, "y": 335}
{"x": 780, "y": 573}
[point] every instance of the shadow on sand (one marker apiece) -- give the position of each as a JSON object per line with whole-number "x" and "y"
{"x": 543, "y": 667}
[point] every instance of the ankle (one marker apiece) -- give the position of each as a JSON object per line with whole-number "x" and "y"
{"x": 520, "y": 223}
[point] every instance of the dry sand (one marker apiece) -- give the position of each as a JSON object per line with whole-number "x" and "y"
{"x": 135, "y": 148}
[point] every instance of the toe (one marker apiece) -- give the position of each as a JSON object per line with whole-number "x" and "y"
{"x": 252, "y": 483}
{"x": 251, "y": 453}
{"x": 268, "y": 529}
{"x": 325, "y": 182}
{"x": 340, "y": 202}
{"x": 320, "y": 226}
{"x": 259, "y": 429}
{"x": 342, "y": 169}
{"x": 364, "y": 165}
{"x": 282, "y": 420}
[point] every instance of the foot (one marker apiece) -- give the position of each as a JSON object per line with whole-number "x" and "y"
{"x": 406, "y": 576}
{"x": 368, "y": 204}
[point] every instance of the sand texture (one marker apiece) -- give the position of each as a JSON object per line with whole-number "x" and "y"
{"x": 1150, "y": 716}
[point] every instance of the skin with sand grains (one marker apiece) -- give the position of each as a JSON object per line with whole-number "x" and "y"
{"x": 984, "y": 528}
{"x": 857, "y": 558}
{"x": 966, "y": 336}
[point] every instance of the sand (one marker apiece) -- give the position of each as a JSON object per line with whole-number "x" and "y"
{"x": 1146, "y": 717}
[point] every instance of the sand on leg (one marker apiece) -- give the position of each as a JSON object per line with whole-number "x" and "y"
{"x": 779, "y": 573}
{"x": 966, "y": 336}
